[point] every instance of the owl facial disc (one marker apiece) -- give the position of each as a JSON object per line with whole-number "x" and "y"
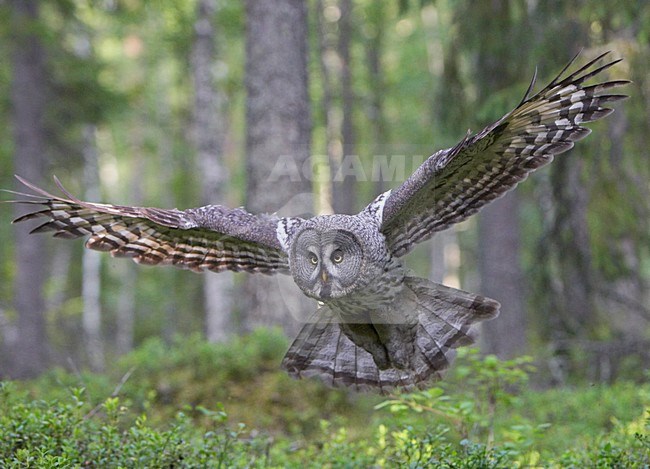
{"x": 326, "y": 264}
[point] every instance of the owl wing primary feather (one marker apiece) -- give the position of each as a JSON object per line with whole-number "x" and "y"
{"x": 455, "y": 183}
{"x": 212, "y": 238}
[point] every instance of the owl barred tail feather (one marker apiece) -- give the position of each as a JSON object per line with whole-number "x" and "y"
{"x": 445, "y": 320}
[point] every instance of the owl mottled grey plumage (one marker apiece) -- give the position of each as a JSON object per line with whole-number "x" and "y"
{"x": 378, "y": 327}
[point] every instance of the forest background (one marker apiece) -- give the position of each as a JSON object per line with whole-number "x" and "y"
{"x": 308, "y": 107}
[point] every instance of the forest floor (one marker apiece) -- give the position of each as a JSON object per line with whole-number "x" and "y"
{"x": 194, "y": 404}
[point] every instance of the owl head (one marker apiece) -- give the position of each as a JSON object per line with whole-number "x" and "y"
{"x": 330, "y": 256}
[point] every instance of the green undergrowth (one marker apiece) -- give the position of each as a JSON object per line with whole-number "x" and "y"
{"x": 194, "y": 404}
{"x": 242, "y": 375}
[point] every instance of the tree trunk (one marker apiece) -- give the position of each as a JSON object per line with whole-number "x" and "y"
{"x": 502, "y": 276}
{"x": 277, "y": 142}
{"x": 169, "y": 279}
{"x": 124, "y": 329}
{"x": 627, "y": 291}
{"x": 127, "y": 273}
{"x": 572, "y": 247}
{"x": 208, "y": 140}
{"x": 500, "y": 269}
{"x": 29, "y": 99}
{"x": 345, "y": 183}
{"x": 91, "y": 263}
{"x": 448, "y": 105}
{"x": 325, "y": 188}
{"x": 374, "y": 53}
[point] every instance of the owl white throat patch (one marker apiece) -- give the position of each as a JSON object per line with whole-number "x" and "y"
{"x": 286, "y": 229}
{"x": 376, "y": 208}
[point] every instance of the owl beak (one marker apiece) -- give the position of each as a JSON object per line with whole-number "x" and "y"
{"x": 323, "y": 275}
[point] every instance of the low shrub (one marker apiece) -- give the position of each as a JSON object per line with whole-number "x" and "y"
{"x": 72, "y": 433}
{"x": 180, "y": 406}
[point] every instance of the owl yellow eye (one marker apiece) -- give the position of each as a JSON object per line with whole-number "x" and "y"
{"x": 337, "y": 256}
{"x": 313, "y": 258}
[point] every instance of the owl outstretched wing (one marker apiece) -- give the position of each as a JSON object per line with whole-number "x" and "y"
{"x": 212, "y": 238}
{"x": 455, "y": 183}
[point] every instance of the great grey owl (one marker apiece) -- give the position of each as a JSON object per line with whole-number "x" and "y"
{"x": 378, "y": 327}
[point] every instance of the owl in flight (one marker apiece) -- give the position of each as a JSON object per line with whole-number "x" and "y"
{"x": 377, "y": 327}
